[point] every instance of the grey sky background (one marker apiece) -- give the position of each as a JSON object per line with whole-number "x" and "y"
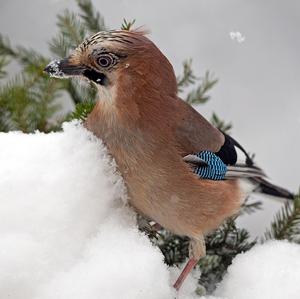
{"x": 259, "y": 79}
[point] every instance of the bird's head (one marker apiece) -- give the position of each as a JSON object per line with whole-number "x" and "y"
{"x": 119, "y": 63}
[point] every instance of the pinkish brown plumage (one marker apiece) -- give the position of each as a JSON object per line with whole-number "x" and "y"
{"x": 148, "y": 130}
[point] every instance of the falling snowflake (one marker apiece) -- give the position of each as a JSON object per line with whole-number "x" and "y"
{"x": 237, "y": 36}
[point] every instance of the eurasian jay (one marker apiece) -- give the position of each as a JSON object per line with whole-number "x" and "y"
{"x": 179, "y": 169}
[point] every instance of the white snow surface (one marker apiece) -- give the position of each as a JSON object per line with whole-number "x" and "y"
{"x": 67, "y": 232}
{"x": 269, "y": 271}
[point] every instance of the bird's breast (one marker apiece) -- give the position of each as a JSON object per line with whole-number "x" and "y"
{"x": 160, "y": 185}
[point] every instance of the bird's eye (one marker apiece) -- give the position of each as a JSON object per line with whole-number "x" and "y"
{"x": 106, "y": 60}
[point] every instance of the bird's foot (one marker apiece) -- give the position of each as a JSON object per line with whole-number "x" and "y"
{"x": 197, "y": 250}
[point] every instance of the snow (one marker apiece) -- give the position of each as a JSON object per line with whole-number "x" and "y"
{"x": 54, "y": 69}
{"x": 237, "y": 36}
{"x": 267, "y": 271}
{"x": 66, "y": 231}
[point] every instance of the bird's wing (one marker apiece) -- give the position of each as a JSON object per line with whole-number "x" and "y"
{"x": 193, "y": 133}
{"x": 195, "y": 160}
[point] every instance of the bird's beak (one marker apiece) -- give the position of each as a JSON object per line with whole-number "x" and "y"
{"x": 63, "y": 69}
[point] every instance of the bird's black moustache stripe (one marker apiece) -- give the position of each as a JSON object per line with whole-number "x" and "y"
{"x": 95, "y": 76}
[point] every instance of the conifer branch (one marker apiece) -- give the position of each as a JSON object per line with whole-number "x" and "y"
{"x": 27, "y": 104}
{"x": 187, "y": 78}
{"x": 250, "y": 207}
{"x": 3, "y": 63}
{"x": 199, "y": 95}
{"x": 82, "y": 110}
{"x": 93, "y": 21}
{"x": 127, "y": 25}
{"x": 286, "y": 223}
{"x": 220, "y": 124}
{"x": 71, "y": 34}
{"x": 221, "y": 248}
{"x": 5, "y": 47}
{"x": 32, "y": 61}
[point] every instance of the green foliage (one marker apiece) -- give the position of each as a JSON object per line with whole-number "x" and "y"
{"x": 27, "y": 105}
{"x": 5, "y": 47}
{"x": 92, "y": 19}
{"x": 82, "y": 110}
{"x": 250, "y": 207}
{"x": 220, "y": 124}
{"x": 197, "y": 95}
{"x": 29, "y": 102}
{"x": 187, "y": 78}
{"x": 221, "y": 248}
{"x": 71, "y": 34}
{"x": 286, "y": 223}
{"x": 3, "y": 63}
{"x": 127, "y": 25}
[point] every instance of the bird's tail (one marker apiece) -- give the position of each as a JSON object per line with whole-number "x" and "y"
{"x": 255, "y": 175}
{"x": 244, "y": 171}
{"x": 257, "y": 178}
{"x": 265, "y": 187}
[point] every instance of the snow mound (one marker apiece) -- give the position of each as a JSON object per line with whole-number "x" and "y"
{"x": 269, "y": 271}
{"x": 66, "y": 231}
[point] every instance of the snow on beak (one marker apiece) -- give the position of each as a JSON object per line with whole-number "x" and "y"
{"x": 63, "y": 69}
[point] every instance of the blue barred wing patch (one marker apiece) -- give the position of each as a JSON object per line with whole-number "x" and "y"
{"x": 215, "y": 170}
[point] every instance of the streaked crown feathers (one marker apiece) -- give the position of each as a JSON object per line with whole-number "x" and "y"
{"x": 124, "y": 37}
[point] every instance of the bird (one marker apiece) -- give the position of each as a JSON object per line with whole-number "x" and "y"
{"x": 180, "y": 171}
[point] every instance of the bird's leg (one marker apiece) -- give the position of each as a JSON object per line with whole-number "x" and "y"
{"x": 196, "y": 251}
{"x": 185, "y": 272}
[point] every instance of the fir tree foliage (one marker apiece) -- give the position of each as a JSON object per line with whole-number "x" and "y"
{"x": 222, "y": 247}
{"x": 92, "y": 19}
{"x": 248, "y": 207}
{"x": 198, "y": 94}
{"x": 29, "y": 100}
{"x": 82, "y": 110}
{"x": 127, "y": 25}
{"x": 220, "y": 124}
{"x": 286, "y": 223}
{"x": 71, "y": 33}
{"x": 3, "y": 64}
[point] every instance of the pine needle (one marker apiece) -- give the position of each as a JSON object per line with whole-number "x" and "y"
{"x": 127, "y": 25}
{"x": 286, "y": 223}
{"x": 92, "y": 19}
